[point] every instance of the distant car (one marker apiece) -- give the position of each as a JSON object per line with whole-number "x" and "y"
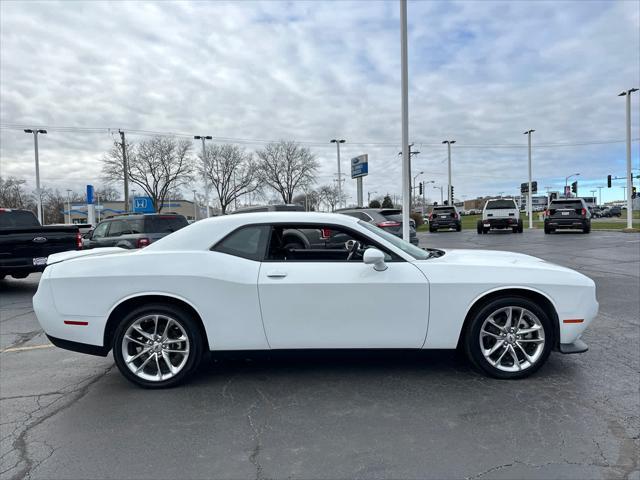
{"x": 444, "y": 217}
{"x": 615, "y": 211}
{"x": 570, "y": 213}
{"x": 389, "y": 219}
{"x": 500, "y": 214}
{"x": 134, "y": 231}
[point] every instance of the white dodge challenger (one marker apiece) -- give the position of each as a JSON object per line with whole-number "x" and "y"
{"x": 295, "y": 280}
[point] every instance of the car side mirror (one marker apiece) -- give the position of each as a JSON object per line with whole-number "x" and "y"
{"x": 373, "y": 256}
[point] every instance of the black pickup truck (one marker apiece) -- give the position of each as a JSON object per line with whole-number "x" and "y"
{"x": 25, "y": 244}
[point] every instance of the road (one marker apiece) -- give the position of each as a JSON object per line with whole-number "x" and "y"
{"x": 338, "y": 415}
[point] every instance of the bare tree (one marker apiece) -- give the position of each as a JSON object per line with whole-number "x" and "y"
{"x": 231, "y": 171}
{"x": 13, "y": 195}
{"x": 330, "y": 195}
{"x": 309, "y": 199}
{"x": 286, "y": 167}
{"x": 107, "y": 193}
{"x": 156, "y": 165}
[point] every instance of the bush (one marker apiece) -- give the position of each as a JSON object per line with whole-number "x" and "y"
{"x": 375, "y": 204}
{"x": 417, "y": 217}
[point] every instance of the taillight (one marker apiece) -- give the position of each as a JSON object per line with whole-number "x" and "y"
{"x": 584, "y": 212}
{"x": 142, "y": 242}
{"x": 325, "y": 233}
{"x": 78, "y": 240}
{"x": 389, "y": 223}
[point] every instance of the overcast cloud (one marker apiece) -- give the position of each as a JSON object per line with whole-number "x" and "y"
{"x": 480, "y": 73}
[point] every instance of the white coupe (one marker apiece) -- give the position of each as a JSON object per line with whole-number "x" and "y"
{"x": 295, "y": 280}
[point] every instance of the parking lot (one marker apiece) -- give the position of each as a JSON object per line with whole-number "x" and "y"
{"x": 338, "y": 414}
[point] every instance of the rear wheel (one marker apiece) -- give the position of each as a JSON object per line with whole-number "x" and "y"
{"x": 458, "y": 228}
{"x": 485, "y": 230}
{"x": 157, "y": 346}
{"x": 520, "y": 226}
{"x": 509, "y": 338}
{"x": 432, "y": 230}
{"x": 479, "y": 227}
{"x": 547, "y": 230}
{"x": 587, "y": 229}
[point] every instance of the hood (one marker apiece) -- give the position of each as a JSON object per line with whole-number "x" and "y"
{"x": 495, "y": 258}
{"x": 96, "y": 252}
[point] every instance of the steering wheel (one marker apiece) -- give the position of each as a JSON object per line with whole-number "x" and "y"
{"x": 354, "y": 248}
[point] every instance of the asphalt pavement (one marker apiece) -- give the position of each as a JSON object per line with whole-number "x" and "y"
{"x": 65, "y": 415}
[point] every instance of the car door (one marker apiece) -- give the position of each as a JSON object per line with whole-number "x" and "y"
{"x": 329, "y": 302}
{"x": 99, "y": 235}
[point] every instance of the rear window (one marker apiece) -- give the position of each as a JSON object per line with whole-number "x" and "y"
{"x": 566, "y": 204}
{"x": 444, "y": 210}
{"x": 500, "y": 204}
{"x": 165, "y": 223}
{"x": 17, "y": 219}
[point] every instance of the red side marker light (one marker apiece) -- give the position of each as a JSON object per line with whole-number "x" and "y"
{"x": 573, "y": 320}
{"x": 75, "y": 322}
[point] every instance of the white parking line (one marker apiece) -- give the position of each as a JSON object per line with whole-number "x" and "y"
{"x": 22, "y": 349}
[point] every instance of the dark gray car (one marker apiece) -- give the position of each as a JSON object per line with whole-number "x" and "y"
{"x": 570, "y": 213}
{"x": 389, "y": 219}
{"x": 134, "y": 231}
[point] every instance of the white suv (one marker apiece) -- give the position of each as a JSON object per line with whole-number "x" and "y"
{"x": 500, "y": 213}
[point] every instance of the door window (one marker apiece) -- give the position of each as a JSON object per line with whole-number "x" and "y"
{"x": 119, "y": 227}
{"x": 320, "y": 243}
{"x": 101, "y": 230}
{"x": 246, "y": 242}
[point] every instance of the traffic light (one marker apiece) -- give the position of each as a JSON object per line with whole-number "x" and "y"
{"x": 574, "y": 187}
{"x": 608, "y": 181}
{"x": 634, "y": 192}
{"x": 452, "y": 193}
{"x": 420, "y": 187}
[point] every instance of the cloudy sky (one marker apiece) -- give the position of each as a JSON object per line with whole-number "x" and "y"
{"x": 480, "y": 73}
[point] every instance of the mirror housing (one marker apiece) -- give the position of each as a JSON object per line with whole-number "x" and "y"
{"x": 373, "y": 256}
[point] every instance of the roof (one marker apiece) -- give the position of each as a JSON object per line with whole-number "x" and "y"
{"x": 204, "y": 233}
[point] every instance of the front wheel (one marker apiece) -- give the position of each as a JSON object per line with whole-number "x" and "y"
{"x": 509, "y": 338}
{"x": 479, "y": 227}
{"x": 157, "y": 346}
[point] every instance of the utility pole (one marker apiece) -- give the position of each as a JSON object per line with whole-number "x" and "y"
{"x": 69, "y": 204}
{"x": 529, "y": 195}
{"x": 629, "y": 187}
{"x": 338, "y": 141}
{"x": 411, "y": 185}
{"x": 205, "y": 164}
{"x": 599, "y": 196}
{"x": 125, "y": 166}
{"x": 195, "y": 206}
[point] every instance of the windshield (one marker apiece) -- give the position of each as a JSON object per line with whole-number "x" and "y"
{"x": 500, "y": 204}
{"x": 415, "y": 252}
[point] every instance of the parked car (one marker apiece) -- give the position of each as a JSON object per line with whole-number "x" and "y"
{"x": 389, "y": 219}
{"x": 570, "y": 213}
{"x": 25, "y": 244}
{"x": 444, "y": 217}
{"x": 227, "y": 283}
{"x": 134, "y": 231}
{"x": 500, "y": 214}
{"x": 285, "y": 207}
{"x": 615, "y": 211}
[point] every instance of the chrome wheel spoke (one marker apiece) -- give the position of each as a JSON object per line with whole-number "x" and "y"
{"x": 524, "y": 352}
{"x": 530, "y": 340}
{"x": 155, "y": 326}
{"x": 166, "y": 329}
{"x": 159, "y": 371}
{"x": 514, "y": 356}
{"x": 494, "y": 349}
{"x": 168, "y": 363}
{"x": 131, "y": 339}
{"x": 507, "y": 323}
{"x": 524, "y": 331}
{"x": 492, "y": 322}
{"x": 184, "y": 352}
{"x": 138, "y": 355}
{"x": 175, "y": 340}
{"x": 497, "y": 362}
{"x": 143, "y": 364}
{"x": 146, "y": 335}
{"x": 485, "y": 332}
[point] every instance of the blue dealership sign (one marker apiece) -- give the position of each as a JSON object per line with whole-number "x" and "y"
{"x": 143, "y": 205}
{"x": 89, "y": 194}
{"x": 360, "y": 166}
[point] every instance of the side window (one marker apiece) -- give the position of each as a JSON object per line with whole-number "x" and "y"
{"x": 119, "y": 227}
{"x": 324, "y": 243}
{"x": 101, "y": 230}
{"x": 247, "y": 242}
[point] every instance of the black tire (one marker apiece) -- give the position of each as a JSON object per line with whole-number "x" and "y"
{"x": 458, "y": 228}
{"x": 187, "y": 323}
{"x": 472, "y": 337}
{"x": 514, "y": 229}
{"x": 432, "y": 230}
{"x": 587, "y": 229}
{"x": 520, "y": 226}
{"x": 485, "y": 230}
{"x": 547, "y": 230}
{"x": 479, "y": 227}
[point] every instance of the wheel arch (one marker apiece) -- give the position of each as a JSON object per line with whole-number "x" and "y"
{"x": 129, "y": 303}
{"x": 545, "y": 302}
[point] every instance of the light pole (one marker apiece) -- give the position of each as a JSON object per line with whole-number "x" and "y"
{"x": 69, "y": 204}
{"x": 35, "y": 146}
{"x": 98, "y": 205}
{"x": 133, "y": 200}
{"x": 205, "y": 164}
{"x": 529, "y": 197}
{"x": 369, "y": 196}
{"x": 593, "y": 194}
{"x": 424, "y": 194}
{"x": 566, "y": 179}
{"x": 404, "y": 103}
{"x": 629, "y": 173}
{"x": 338, "y": 141}
{"x": 195, "y": 206}
{"x": 441, "y": 196}
{"x": 449, "y": 143}
{"x": 413, "y": 186}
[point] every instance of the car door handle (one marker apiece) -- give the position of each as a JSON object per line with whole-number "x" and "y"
{"x": 276, "y": 274}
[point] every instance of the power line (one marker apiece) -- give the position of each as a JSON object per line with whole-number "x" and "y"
{"x": 140, "y": 132}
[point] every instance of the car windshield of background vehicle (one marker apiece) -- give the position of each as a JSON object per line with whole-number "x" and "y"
{"x": 500, "y": 204}
{"x": 17, "y": 219}
{"x": 406, "y": 247}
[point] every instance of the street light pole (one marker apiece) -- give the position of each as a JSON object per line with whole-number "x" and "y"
{"x": 338, "y": 142}
{"x": 413, "y": 186}
{"x": 529, "y": 196}
{"x": 195, "y": 206}
{"x": 406, "y": 179}
{"x": 35, "y": 147}
{"x": 599, "y": 196}
{"x": 441, "y": 195}
{"x": 629, "y": 173}
{"x": 449, "y": 143}
{"x": 69, "y": 205}
{"x": 205, "y": 164}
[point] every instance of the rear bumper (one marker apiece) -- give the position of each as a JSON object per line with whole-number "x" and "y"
{"x": 578, "y": 223}
{"x": 21, "y": 270}
{"x": 444, "y": 224}
{"x": 500, "y": 222}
